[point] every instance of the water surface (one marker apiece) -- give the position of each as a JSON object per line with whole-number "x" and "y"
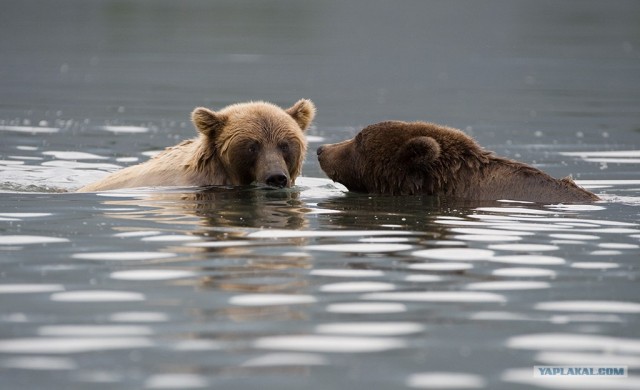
{"x": 314, "y": 287}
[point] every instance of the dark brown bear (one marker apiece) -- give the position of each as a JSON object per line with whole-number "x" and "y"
{"x": 401, "y": 158}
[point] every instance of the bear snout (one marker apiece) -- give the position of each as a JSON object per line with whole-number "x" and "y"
{"x": 279, "y": 180}
{"x": 320, "y": 150}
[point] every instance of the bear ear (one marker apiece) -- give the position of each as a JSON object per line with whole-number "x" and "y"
{"x": 419, "y": 152}
{"x": 302, "y": 112}
{"x": 206, "y": 121}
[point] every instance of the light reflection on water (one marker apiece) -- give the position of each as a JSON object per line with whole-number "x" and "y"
{"x": 280, "y": 279}
{"x": 243, "y": 283}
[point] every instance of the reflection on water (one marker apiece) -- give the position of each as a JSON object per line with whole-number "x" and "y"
{"x": 239, "y": 283}
{"x": 314, "y": 287}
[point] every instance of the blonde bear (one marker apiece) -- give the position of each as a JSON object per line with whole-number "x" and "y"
{"x": 245, "y": 143}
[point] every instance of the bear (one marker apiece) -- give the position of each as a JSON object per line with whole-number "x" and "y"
{"x": 241, "y": 144}
{"x": 409, "y": 158}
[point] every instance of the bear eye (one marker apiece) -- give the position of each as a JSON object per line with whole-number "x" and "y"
{"x": 284, "y": 148}
{"x": 253, "y": 147}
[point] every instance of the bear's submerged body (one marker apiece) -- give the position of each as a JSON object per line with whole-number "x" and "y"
{"x": 171, "y": 167}
{"x": 401, "y": 158}
{"x": 245, "y": 143}
{"x": 507, "y": 179}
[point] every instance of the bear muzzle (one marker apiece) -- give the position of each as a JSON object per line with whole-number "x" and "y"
{"x": 271, "y": 169}
{"x": 335, "y": 157}
{"x": 277, "y": 179}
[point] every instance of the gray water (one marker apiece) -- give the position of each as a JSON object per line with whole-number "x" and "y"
{"x": 314, "y": 287}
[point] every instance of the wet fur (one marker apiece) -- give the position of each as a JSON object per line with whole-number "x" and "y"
{"x": 209, "y": 158}
{"x": 401, "y": 158}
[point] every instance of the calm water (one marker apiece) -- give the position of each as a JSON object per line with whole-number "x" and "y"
{"x": 315, "y": 287}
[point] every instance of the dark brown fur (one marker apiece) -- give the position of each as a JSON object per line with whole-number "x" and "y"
{"x": 401, "y": 158}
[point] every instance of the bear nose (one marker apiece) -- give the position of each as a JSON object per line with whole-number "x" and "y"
{"x": 277, "y": 180}
{"x": 320, "y": 149}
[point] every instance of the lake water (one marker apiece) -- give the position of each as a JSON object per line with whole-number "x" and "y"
{"x": 314, "y": 287}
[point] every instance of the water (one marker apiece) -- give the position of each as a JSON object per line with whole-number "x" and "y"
{"x": 314, "y": 287}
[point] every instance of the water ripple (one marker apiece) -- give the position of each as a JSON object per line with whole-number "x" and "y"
{"x": 152, "y": 274}
{"x": 467, "y": 254}
{"x": 126, "y": 129}
{"x": 286, "y": 359}
{"x": 94, "y": 330}
{"x": 508, "y": 285}
{"x": 30, "y": 240}
{"x": 436, "y": 296}
{"x": 524, "y": 272}
{"x": 360, "y": 248}
{"x": 277, "y": 233}
{"x": 445, "y": 380}
{"x": 596, "y": 264}
{"x": 39, "y": 363}
{"x": 590, "y": 306}
{"x": 448, "y": 266}
{"x": 176, "y": 381}
{"x": 528, "y": 260}
{"x": 97, "y": 296}
{"x": 123, "y": 256}
{"x": 63, "y": 155}
{"x": 386, "y": 328}
{"x": 573, "y": 341}
{"x": 348, "y": 273}
{"x": 366, "y": 307}
{"x": 30, "y": 129}
{"x": 65, "y": 345}
{"x": 29, "y": 288}
{"x": 348, "y": 287}
{"x": 334, "y": 344}
{"x": 524, "y": 247}
{"x": 270, "y": 299}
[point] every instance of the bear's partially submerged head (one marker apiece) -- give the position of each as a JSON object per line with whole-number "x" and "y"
{"x": 401, "y": 158}
{"x": 254, "y": 142}
{"x": 396, "y": 157}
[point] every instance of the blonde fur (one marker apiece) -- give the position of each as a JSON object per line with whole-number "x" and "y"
{"x": 208, "y": 159}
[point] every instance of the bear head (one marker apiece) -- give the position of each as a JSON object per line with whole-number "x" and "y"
{"x": 255, "y": 142}
{"x": 400, "y": 158}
